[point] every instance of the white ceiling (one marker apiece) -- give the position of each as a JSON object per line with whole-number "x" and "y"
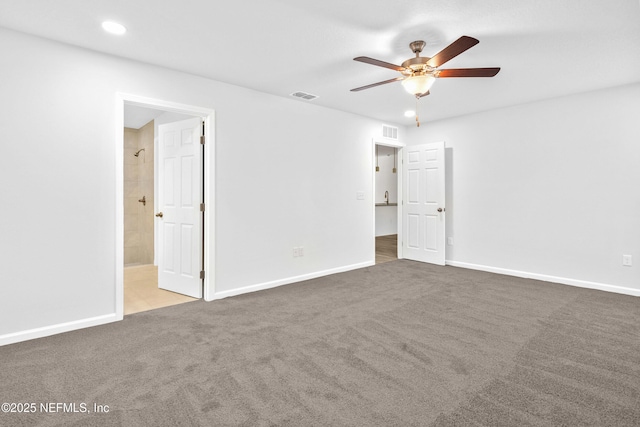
{"x": 546, "y": 48}
{"x": 135, "y": 117}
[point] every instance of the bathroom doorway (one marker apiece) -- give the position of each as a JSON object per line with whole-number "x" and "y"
{"x": 137, "y": 232}
{"x": 387, "y": 197}
{"x": 141, "y": 291}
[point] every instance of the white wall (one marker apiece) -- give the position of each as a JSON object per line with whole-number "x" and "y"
{"x": 386, "y": 220}
{"x": 287, "y": 173}
{"x": 549, "y": 188}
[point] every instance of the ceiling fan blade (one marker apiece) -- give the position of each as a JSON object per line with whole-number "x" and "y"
{"x": 379, "y": 63}
{"x": 469, "y": 72}
{"x": 453, "y": 50}
{"x": 377, "y": 84}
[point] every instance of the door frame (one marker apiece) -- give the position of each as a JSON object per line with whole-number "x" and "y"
{"x": 399, "y": 146}
{"x": 208, "y": 116}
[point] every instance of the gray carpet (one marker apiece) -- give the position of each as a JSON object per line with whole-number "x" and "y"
{"x": 397, "y": 344}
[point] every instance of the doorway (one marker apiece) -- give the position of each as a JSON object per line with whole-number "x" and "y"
{"x": 137, "y": 182}
{"x": 387, "y": 197}
{"x": 141, "y": 286}
{"x": 420, "y": 214}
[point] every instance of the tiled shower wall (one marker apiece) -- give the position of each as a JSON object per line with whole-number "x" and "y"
{"x": 138, "y": 182}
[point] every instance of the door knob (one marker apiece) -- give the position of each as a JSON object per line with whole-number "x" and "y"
{"x": 440, "y": 209}
{"x": 159, "y": 215}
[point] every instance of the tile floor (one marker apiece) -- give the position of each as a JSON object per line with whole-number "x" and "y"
{"x": 141, "y": 292}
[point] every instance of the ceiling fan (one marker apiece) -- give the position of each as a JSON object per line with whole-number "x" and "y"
{"x": 419, "y": 73}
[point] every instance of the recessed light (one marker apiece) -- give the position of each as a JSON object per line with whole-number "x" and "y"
{"x": 114, "y": 28}
{"x": 409, "y": 113}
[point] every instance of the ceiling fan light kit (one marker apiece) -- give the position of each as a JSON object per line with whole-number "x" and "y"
{"x": 419, "y": 73}
{"x": 419, "y": 84}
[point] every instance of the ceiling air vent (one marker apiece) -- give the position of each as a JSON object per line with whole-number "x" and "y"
{"x": 389, "y": 132}
{"x": 304, "y": 95}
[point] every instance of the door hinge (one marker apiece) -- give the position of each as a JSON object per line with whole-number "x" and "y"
{"x": 202, "y": 140}
{"x": 201, "y": 207}
{"x": 202, "y": 274}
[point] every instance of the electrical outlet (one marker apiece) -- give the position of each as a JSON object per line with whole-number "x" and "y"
{"x": 295, "y": 252}
{"x": 450, "y": 241}
{"x": 300, "y": 251}
{"x": 627, "y": 260}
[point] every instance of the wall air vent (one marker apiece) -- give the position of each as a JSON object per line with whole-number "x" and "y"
{"x": 389, "y": 132}
{"x": 304, "y": 95}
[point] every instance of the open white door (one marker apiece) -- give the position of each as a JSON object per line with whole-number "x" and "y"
{"x": 423, "y": 222}
{"x": 179, "y": 197}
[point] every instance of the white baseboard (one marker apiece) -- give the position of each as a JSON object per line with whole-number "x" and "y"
{"x": 289, "y": 280}
{"x": 57, "y": 329}
{"x": 101, "y": 320}
{"x": 547, "y": 278}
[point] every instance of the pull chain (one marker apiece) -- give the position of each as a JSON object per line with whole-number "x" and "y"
{"x": 417, "y": 118}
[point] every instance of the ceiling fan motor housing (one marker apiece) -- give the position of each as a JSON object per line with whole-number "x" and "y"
{"x": 417, "y": 66}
